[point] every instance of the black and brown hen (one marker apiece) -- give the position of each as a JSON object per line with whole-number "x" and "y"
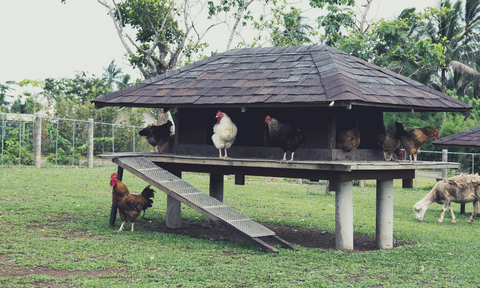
{"x": 157, "y": 135}
{"x": 285, "y": 136}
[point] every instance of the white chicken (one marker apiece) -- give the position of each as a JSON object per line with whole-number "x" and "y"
{"x": 224, "y": 133}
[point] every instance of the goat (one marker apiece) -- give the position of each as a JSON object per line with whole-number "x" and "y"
{"x": 459, "y": 189}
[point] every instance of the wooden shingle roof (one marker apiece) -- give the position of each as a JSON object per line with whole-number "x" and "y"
{"x": 465, "y": 139}
{"x": 282, "y": 76}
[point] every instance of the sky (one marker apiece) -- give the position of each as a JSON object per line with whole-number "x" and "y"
{"x": 47, "y": 39}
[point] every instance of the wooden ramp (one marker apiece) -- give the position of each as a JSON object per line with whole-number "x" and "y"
{"x": 201, "y": 202}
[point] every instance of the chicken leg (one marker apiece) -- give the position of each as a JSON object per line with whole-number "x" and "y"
{"x": 285, "y": 157}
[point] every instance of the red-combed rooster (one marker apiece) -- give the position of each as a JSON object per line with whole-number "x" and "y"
{"x": 129, "y": 206}
{"x": 348, "y": 140}
{"x": 413, "y": 140}
{"x": 157, "y": 136}
{"x": 224, "y": 133}
{"x": 285, "y": 136}
{"x": 389, "y": 142}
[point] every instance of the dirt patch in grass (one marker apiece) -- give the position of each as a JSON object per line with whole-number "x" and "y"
{"x": 9, "y": 269}
{"x": 304, "y": 237}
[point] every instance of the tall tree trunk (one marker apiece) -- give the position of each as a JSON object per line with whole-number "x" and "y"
{"x": 361, "y": 29}
{"x": 444, "y": 79}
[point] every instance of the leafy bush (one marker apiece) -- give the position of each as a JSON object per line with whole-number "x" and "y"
{"x": 11, "y": 147}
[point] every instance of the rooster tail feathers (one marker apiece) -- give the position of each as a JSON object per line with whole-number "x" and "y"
{"x": 148, "y": 193}
{"x": 400, "y": 130}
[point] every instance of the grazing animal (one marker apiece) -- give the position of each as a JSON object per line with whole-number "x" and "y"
{"x": 129, "y": 206}
{"x": 157, "y": 136}
{"x": 459, "y": 189}
{"x": 388, "y": 142}
{"x": 348, "y": 140}
{"x": 285, "y": 136}
{"x": 413, "y": 140}
{"x": 224, "y": 133}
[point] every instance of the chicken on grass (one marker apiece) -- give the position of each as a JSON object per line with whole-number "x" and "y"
{"x": 129, "y": 206}
{"x": 285, "y": 136}
{"x": 224, "y": 133}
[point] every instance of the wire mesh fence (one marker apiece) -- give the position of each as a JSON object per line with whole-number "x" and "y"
{"x": 64, "y": 141}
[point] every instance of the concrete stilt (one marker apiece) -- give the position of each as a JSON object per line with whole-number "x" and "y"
{"x": 384, "y": 214}
{"x": 174, "y": 207}
{"x": 344, "y": 216}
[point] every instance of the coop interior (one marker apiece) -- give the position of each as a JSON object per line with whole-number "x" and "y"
{"x": 194, "y": 129}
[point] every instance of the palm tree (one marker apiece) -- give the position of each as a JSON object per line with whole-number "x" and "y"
{"x": 111, "y": 74}
{"x": 457, "y": 31}
{"x": 295, "y": 30}
{"x": 124, "y": 82}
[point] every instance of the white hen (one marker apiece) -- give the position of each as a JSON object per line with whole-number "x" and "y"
{"x": 224, "y": 133}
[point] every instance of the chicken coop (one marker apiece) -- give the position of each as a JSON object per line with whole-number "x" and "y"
{"x": 318, "y": 89}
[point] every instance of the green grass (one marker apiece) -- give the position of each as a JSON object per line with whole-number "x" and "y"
{"x": 57, "y": 219}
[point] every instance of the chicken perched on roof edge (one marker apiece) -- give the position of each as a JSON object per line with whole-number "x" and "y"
{"x": 224, "y": 133}
{"x": 285, "y": 136}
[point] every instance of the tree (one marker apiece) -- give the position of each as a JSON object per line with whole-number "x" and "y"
{"x": 111, "y": 74}
{"x": 390, "y": 44}
{"x": 457, "y": 30}
{"x": 294, "y": 31}
{"x": 4, "y": 88}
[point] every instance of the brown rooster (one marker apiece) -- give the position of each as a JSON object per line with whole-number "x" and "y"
{"x": 157, "y": 136}
{"x": 129, "y": 206}
{"x": 348, "y": 140}
{"x": 285, "y": 136}
{"x": 413, "y": 140}
{"x": 389, "y": 142}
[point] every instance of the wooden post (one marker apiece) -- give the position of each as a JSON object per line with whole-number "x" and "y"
{"x": 90, "y": 143}
{"x": 38, "y": 141}
{"x": 407, "y": 183}
{"x": 444, "y": 159}
{"x": 216, "y": 190}
{"x": 113, "y": 211}
{"x": 239, "y": 179}
{"x": 174, "y": 207}
{"x": 384, "y": 232}
{"x": 344, "y": 216}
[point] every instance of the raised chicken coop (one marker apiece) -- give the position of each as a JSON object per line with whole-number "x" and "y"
{"x": 318, "y": 89}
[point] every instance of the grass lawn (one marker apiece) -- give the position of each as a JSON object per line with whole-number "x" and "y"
{"x": 54, "y": 232}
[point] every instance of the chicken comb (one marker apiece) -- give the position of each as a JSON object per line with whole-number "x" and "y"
{"x": 113, "y": 175}
{"x": 268, "y": 117}
{"x": 218, "y": 112}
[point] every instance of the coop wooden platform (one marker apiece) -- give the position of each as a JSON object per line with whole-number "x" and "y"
{"x": 339, "y": 174}
{"x": 201, "y": 202}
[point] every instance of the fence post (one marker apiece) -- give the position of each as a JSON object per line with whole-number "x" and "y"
{"x": 444, "y": 159}
{"x": 38, "y": 141}
{"x": 90, "y": 143}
